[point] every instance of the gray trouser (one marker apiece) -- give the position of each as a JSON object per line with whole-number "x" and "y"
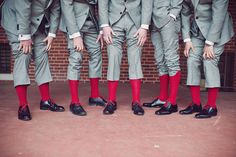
{"x": 124, "y": 30}
{"x": 166, "y": 45}
{"x": 210, "y": 66}
{"x": 22, "y": 61}
{"x": 89, "y": 35}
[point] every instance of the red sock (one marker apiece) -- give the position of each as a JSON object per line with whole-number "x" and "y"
{"x": 112, "y": 88}
{"x": 136, "y": 84}
{"x": 195, "y": 94}
{"x": 94, "y": 87}
{"x": 44, "y": 91}
{"x": 74, "y": 84}
{"x": 212, "y": 95}
{"x": 21, "y": 91}
{"x": 164, "y": 83}
{"x": 174, "y": 85}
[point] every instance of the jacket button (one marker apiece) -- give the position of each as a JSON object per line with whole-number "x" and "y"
{"x": 37, "y": 19}
{"x": 124, "y": 0}
{"x": 120, "y": 12}
{"x": 196, "y": 17}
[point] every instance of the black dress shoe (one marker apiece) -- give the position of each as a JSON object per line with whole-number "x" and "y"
{"x": 191, "y": 109}
{"x": 164, "y": 110}
{"x": 110, "y": 108}
{"x": 24, "y": 113}
{"x": 137, "y": 109}
{"x": 50, "y": 105}
{"x": 78, "y": 110}
{"x": 207, "y": 113}
{"x": 99, "y": 101}
{"x": 155, "y": 103}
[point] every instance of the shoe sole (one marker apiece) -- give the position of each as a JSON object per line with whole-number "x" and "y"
{"x": 205, "y": 117}
{"x": 78, "y": 114}
{"x": 45, "y": 108}
{"x": 166, "y": 113}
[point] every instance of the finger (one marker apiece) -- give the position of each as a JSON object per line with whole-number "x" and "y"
{"x": 30, "y": 49}
{"x": 76, "y": 47}
{"x": 82, "y": 47}
{"x": 208, "y": 55}
{"x": 136, "y": 34}
{"x": 102, "y": 45}
{"x": 203, "y": 55}
{"x": 193, "y": 49}
{"x": 185, "y": 53}
{"x": 20, "y": 47}
{"x": 24, "y": 49}
{"x": 113, "y": 33}
{"x": 143, "y": 41}
{"x": 139, "y": 41}
{"x": 45, "y": 39}
{"x": 212, "y": 55}
{"x": 97, "y": 39}
{"x": 101, "y": 42}
{"x": 49, "y": 47}
{"x": 110, "y": 39}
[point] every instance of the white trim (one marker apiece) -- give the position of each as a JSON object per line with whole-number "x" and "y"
{"x": 6, "y": 76}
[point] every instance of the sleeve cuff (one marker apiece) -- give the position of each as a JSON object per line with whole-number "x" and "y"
{"x": 209, "y": 43}
{"x": 187, "y": 40}
{"x": 101, "y": 32}
{"x": 74, "y": 35}
{"x": 173, "y": 16}
{"x": 52, "y": 35}
{"x": 104, "y": 25}
{"x": 145, "y": 26}
{"x": 24, "y": 37}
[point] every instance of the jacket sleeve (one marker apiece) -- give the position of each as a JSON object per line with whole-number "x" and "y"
{"x": 69, "y": 16}
{"x": 23, "y": 16}
{"x": 147, "y": 6}
{"x": 185, "y": 18}
{"x": 176, "y": 6}
{"x": 55, "y": 13}
{"x": 103, "y": 11}
{"x": 219, "y": 11}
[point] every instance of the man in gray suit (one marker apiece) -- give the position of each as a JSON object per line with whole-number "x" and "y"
{"x": 206, "y": 28}
{"x": 30, "y": 27}
{"x": 124, "y": 20}
{"x": 80, "y": 23}
{"x": 165, "y": 38}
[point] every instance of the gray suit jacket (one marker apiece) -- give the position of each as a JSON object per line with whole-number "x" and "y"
{"x": 162, "y": 9}
{"x": 25, "y": 16}
{"x": 75, "y": 13}
{"x": 212, "y": 18}
{"x": 110, "y": 11}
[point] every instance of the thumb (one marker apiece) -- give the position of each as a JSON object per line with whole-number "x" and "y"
{"x": 45, "y": 39}
{"x": 136, "y": 34}
{"x": 113, "y": 33}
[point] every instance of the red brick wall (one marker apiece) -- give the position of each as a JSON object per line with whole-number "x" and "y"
{"x": 59, "y": 58}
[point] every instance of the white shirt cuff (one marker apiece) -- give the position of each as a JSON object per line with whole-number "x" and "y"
{"x": 173, "y": 16}
{"x": 74, "y": 35}
{"x": 144, "y": 26}
{"x": 24, "y": 36}
{"x": 101, "y": 32}
{"x": 209, "y": 43}
{"x": 187, "y": 40}
{"x": 52, "y": 35}
{"x": 104, "y": 25}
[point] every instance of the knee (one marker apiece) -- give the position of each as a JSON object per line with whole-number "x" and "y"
{"x": 209, "y": 63}
{"x": 114, "y": 54}
{"x": 193, "y": 63}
